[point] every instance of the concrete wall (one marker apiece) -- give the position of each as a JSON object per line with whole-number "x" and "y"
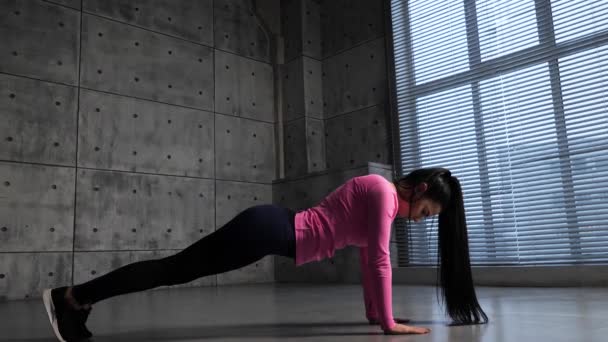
{"x": 133, "y": 130}
{"x": 129, "y": 130}
{"x": 335, "y": 85}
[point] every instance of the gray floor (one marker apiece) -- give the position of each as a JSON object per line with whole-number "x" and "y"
{"x": 278, "y": 312}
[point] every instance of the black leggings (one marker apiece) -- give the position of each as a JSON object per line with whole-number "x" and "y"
{"x": 254, "y": 233}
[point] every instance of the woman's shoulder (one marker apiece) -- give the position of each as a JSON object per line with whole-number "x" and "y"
{"x": 373, "y": 181}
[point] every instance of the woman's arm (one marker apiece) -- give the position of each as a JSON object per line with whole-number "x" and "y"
{"x": 380, "y": 207}
{"x": 371, "y": 312}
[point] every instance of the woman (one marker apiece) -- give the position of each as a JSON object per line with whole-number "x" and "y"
{"x": 360, "y": 213}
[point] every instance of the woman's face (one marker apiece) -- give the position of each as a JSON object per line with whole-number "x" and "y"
{"x": 423, "y": 208}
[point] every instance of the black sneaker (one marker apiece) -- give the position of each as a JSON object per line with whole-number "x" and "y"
{"x": 67, "y": 322}
{"x": 82, "y": 319}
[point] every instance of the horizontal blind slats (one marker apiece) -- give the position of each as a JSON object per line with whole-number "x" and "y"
{"x": 529, "y": 144}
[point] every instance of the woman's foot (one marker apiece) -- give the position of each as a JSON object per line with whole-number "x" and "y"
{"x": 83, "y": 310}
{"x": 72, "y": 301}
{"x": 68, "y": 323}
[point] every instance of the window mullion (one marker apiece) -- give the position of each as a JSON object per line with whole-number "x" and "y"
{"x": 513, "y": 61}
{"x": 474, "y": 60}
{"x": 546, "y": 34}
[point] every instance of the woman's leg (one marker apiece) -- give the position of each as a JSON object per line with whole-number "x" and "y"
{"x": 254, "y": 233}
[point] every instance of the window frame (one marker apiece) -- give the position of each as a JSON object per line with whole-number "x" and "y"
{"x": 547, "y": 51}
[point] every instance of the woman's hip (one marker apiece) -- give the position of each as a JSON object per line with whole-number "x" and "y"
{"x": 269, "y": 227}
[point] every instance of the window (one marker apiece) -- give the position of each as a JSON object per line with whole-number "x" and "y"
{"x": 512, "y": 97}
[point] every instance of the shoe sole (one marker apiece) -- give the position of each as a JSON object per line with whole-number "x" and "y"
{"x": 50, "y": 310}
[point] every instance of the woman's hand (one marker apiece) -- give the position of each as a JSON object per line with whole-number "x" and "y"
{"x": 399, "y": 329}
{"x": 397, "y": 320}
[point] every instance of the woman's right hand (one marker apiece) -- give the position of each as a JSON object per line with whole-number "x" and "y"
{"x": 400, "y": 329}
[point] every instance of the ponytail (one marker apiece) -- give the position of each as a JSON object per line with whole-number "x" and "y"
{"x": 455, "y": 280}
{"x": 455, "y": 276}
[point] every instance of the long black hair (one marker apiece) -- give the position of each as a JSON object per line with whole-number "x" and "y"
{"x": 455, "y": 276}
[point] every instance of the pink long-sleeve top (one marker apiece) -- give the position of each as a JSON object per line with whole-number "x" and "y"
{"x": 358, "y": 213}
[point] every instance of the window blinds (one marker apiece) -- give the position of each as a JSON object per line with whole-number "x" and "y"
{"x": 512, "y": 96}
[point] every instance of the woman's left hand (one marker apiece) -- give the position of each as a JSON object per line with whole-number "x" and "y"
{"x": 373, "y": 321}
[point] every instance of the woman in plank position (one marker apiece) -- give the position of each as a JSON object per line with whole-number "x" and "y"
{"x": 360, "y": 212}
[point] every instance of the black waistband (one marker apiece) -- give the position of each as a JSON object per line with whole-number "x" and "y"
{"x": 292, "y": 216}
{"x": 291, "y": 246}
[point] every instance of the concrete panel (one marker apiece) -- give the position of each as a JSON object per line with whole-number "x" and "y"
{"x": 358, "y": 137}
{"x": 90, "y": 265}
{"x": 69, "y": 3}
{"x": 25, "y": 275}
{"x": 238, "y": 30}
{"x": 122, "y": 133}
{"x": 122, "y": 59}
{"x": 293, "y": 89}
{"x": 39, "y": 121}
{"x": 346, "y": 23}
{"x": 291, "y": 28}
{"x": 355, "y": 79}
{"x": 121, "y": 211}
{"x": 296, "y": 160}
{"x": 316, "y": 144}
{"x": 311, "y": 29}
{"x": 270, "y": 12}
{"x": 186, "y": 19}
{"x": 37, "y": 210}
{"x": 262, "y": 271}
{"x": 40, "y": 40}
{"x": 304, "y": 147}
{"x": 243, "y": 87}
{"x": 301, "y": 29}
{"x": 313, "y": 87}
{"x": 234, "y": 197}
{"x": 302, "y": 88}
{"x": 244, "y": 150}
